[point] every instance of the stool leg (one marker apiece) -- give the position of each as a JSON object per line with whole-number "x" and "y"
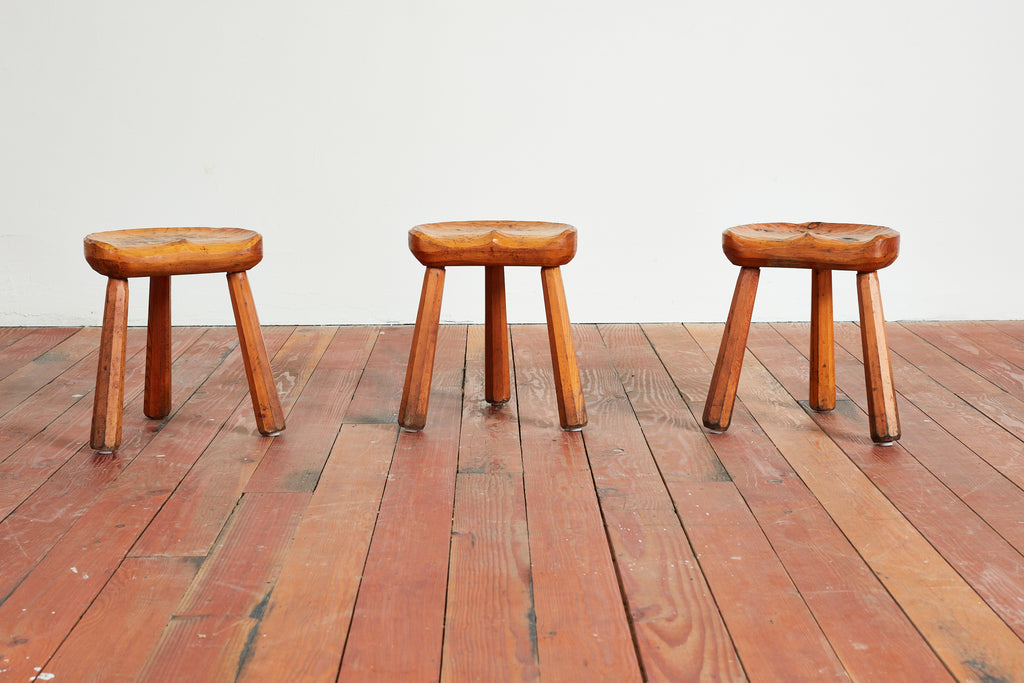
{"x": 823, "y": 356}
{"x": 726, "y": 378}
{"x": 416, "y": 395}
{"x": 157, "y": 403}
{"x": 496, "y": 382}
{"x": 266, "y": 404}
{"x": 572, "y": 413}
{"x": 108, "y": 401}
{"x": 882, "y": 413}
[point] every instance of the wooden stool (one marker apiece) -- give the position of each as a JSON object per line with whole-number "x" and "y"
{"x": 159, "y": 253}
{"x": 822, "y": 248}
{"x": 493, "y": 245}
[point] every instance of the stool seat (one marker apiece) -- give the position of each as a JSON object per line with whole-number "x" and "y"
{"x": 493, "y": 243}
{"x": 149, "y": 252}
{"x": 822, "y": 246}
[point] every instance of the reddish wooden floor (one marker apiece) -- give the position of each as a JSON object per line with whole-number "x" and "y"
{"x": 494, "y": 547}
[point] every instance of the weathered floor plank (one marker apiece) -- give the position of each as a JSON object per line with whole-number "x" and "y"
{"x": 980, "y": 347}
{"x": 493, "y": 545}
{"x": 217, "y": 616}
{"x": 193, "y": 517}
{"x": 489, "y": 623}
{"x": 846, "y": 598}
{"x": 139, "y": 598}
{"x": 679, "y": 631}
{"x": 978, "y": 553}
{"x": 19, "y": 345}
{"x": 398, "y": 624}
{"x": 582, "y": 626}
{"x": 964, "y": 631}
{"x": 310, "y": 608}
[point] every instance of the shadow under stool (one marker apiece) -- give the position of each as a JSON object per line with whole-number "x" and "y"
{"x": 821, "y": 248}
{"x": 159, "y": 253}
{"x": 493, "y": 245}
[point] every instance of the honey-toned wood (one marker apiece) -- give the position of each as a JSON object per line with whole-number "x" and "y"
{"x": 882, "y": 413}
{"x": 109, "y": 397}
{"x": 822, "y": 356}
{"x": 148, "y": 252}
{"x": 157, "y": 402}
{"x": 159, "y": 253}
{"x": 493, "y": 243}
{"x": 497, "y": 384}
{"x": 825, "y": 246}
{"x": 416, "y": 395}
{"x": 265, "y": 402}
{"x": 572, "y": 413}
{"x": 820, "y": 247}
{"x": 726, "y": 377}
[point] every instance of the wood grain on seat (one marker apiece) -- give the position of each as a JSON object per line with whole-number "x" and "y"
{"x": 154, "y": 252}
{"x": 825, "y": 246}
{"x": 493, "y": 243}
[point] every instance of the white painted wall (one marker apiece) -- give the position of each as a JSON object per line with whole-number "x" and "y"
{"x": 334, "y": 126}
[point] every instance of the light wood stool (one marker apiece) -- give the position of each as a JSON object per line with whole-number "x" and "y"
{"x": 822, "y": 248}
{"x": 159, "y": 253}
{"x": 493, "y": 245}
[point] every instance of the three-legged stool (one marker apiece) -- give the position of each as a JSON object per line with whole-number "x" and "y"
{"x": 822, "y": 248}
{"x": 493, "y": 245}
{"x": 159, "y": 253}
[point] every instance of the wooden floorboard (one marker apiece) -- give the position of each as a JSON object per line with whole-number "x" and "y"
{"x": 494, "y": 546}
{"x": 490, "y": 554}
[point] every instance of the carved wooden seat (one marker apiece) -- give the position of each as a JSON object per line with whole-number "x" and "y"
{"x": 159, "y": 253}
{"x": 821, "y": 248}
{"x": 493, "y": 245}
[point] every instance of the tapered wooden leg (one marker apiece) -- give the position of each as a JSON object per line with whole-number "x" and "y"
{"x": 572, "y": 413}
{"x": 496, "y": 381}
{"x": 416, "y": 396}
{"x": 823, "y": 363}
{"x": 157, "y": 402}
{"x": 726, "y": 377}
{"x": 882, "y": 413}
{"x": 266, "y": 404}
{"x": 109, "y": 396}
